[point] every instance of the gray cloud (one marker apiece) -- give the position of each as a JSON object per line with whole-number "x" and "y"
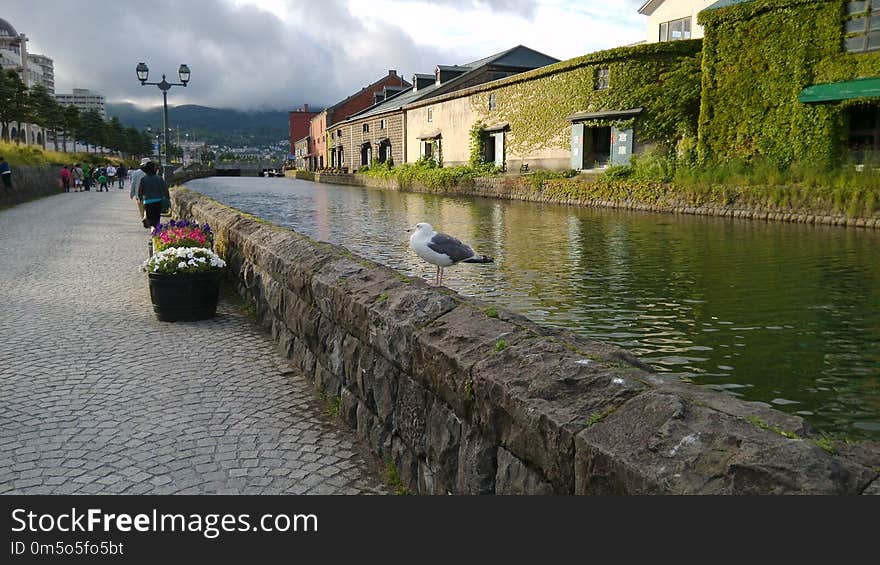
{"x": 521, "y": 7}
{"x": 241, "y": 57}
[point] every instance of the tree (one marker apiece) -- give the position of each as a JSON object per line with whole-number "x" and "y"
{"x": 92, "y": 129}
{"x": 115, "y": 135}
{"x": 13, "y": 101}
{"x": 45, "y": 111}
{"x": 71, "y": 124}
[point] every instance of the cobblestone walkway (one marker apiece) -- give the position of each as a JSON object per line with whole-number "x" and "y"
{"x": 96, "y": 396}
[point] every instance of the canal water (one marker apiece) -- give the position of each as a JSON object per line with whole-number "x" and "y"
{"x": 781, "y": 313}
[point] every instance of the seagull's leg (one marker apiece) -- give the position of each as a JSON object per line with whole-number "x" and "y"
{"x": 441, "y": 277}
{"x": 437, "y": 277}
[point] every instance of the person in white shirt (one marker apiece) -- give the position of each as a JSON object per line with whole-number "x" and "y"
{"x": 135, "y": 177}
{"x": 111, "y": 175}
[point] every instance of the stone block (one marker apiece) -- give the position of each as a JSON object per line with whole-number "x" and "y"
{"x": 392, "y": 325}
{"x": 662, "y": 443}
{"x": 283, "y": 338}
{"x": 274, "y": 296}
{"x": 348, "y": 408}
{"x": 329, "y": 346}
{"x": 476, "y": 462}
{"x": 410, "y": 415}
{"x": 537, "y": 395}
{"x": 427, "y": 483}
{"x": 380, "y": 382}
{"x": 407, "y": 464}
{"x": 327, "y": 382}
{"x": 445, "y": 351}
{"x": 515, "y": 477}
{"x": 372, "y": 431}
{"x": 353, "y": 363}
{"x": 443, "y": 442}
{"x": 302, "y": 320}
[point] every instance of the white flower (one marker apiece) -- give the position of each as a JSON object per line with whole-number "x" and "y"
{"x": 181, "y": 265}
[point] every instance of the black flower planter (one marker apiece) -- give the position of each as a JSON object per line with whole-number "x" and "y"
{"x": 185, "y": 297}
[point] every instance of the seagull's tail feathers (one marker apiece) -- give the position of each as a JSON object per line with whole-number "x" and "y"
{"x": 479, "y": 259}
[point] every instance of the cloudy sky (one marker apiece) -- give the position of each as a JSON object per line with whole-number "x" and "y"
{"x": 279, "y": 54}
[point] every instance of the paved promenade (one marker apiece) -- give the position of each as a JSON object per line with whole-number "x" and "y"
{"x": 96, "y": 396}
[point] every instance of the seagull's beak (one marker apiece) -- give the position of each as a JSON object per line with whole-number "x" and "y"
{"x": 408, "y": 230}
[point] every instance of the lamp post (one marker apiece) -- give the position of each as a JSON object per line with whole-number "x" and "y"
{"x": 183, "y": 74}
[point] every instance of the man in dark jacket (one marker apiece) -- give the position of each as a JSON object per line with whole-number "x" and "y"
{"x": 5, "y": 173}
{"x": 151, "y": 192}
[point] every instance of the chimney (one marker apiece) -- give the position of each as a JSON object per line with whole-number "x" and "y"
{"x": 305, "y": 107}
{"x": 392, "y": 72}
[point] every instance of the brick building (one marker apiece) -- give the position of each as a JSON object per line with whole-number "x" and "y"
{"x": 380, "y": 131}
{"x": 299, "y": 125}
{"x": 388, "y": 85}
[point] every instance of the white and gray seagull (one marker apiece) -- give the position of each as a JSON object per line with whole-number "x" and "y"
{"x": 442, "y": 250}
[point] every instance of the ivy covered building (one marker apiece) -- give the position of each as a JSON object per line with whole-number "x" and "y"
{"x": 791, "y": 81}
{"x": 381, "y": 131}
{"x": 583, "y": 113}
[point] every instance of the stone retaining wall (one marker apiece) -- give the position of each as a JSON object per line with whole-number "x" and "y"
{"x": 520, "y": 188}
{"x": 29, "y": 182}
{"x": 466, "y": 398}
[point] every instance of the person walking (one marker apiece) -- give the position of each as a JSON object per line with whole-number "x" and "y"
{"x": 111, "y": 174}
{"x": 77, "y": 174}
{"x": 121, "y": 173}
{"x": 136, "y": 176}
{"x": 102, "y": 180}
{"x": 86, "y": 177}
{"x": 152, "y": 190}
{"x": 65, "y": 178}
{"x": 6, "y": 173}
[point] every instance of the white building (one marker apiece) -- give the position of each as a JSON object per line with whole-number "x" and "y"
{"x": 83, "y": 99}
{"x": 14, "y": 55}
{"x": 41, "y": 70}
{"x": 192, "y": 151}
{"x": 671, "y": 20}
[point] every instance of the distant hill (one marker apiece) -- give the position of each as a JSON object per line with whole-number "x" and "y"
{"x": 213, "y": 125}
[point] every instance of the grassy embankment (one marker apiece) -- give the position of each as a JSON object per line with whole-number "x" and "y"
{"x": 24, "y": 155}
{"x": 848, "y": 191}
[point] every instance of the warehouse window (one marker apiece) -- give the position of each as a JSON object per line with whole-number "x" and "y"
{"x": 862, "y": 26}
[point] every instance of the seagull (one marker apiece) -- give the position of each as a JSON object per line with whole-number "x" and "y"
{"x": 442, "y": 250}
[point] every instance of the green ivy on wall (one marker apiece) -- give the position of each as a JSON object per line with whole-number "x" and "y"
{"x": 662, "y": 78}
{"x": 477, "y": 143}
{"x": 758, "y": 56}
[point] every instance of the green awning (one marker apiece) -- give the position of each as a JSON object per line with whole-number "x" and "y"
{"x": 830, "y": 92}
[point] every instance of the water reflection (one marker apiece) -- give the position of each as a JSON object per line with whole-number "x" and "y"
{"x": 784, "y": 314}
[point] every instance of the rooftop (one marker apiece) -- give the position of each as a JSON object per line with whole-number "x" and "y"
{"x": 725, "y": 3}
{"x": 518, "y": 57}
{"x": 6, "y": 29}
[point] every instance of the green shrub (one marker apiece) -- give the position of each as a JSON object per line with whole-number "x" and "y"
{"x": 427, "y": 172}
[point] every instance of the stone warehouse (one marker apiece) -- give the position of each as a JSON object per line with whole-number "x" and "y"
{"x": 584, "y": 113}
{"x": 318, "y": 156}
{"x": 380, "y": 132}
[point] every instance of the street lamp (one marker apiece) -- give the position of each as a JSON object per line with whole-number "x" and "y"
{"x": 183, "y": 73}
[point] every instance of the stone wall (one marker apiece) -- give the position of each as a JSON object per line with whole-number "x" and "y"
{"x": 353, "y": 137}
{"x": 29, "y": 182}
{"x": 520, "y": 188}
{"x": 466, "y": 398}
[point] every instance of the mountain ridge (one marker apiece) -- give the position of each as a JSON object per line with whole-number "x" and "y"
{"x": 212, "y": 125}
